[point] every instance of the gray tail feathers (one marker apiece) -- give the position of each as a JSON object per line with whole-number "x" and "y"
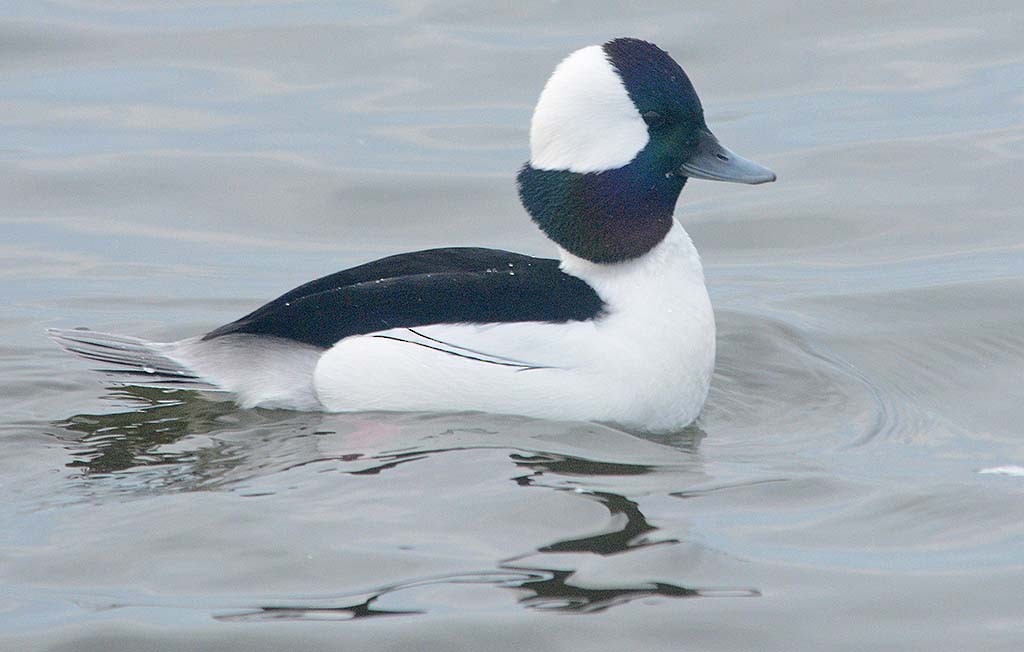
{"x": 131, "y": 360}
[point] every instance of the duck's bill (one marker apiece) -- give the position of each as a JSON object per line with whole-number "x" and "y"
{"x": 716, "y": 162}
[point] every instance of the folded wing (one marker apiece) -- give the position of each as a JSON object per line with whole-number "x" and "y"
{"x": 436, "y": 286}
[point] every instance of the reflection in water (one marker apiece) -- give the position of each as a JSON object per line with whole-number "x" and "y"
{"x": 541, "y": 588}
{"x": 606, "y": 543}
{"x": 153, "y": 437}
{"x": 107, "y": 443}
{"x": 352, "y": 606}
{"x": 558, "y": 594}
{"x": 556, "y": 590}
{"x": 547, "y": 590}
{"x": 551, "y": 590}
{"x": 178, "y": 440}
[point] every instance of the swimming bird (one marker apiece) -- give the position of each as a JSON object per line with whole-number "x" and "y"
{"x": 618, "y": 329}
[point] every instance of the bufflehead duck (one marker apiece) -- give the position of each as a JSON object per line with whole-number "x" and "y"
{"x": 619, "y": 329}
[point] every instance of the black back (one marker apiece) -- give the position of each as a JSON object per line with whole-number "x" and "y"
{"x": 436, "y": 286}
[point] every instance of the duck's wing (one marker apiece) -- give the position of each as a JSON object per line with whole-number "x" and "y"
{"x": 436, "y": 286}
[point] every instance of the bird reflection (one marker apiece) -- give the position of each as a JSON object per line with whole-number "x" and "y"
{"x": 145, "y": 438}
{"x": 630, "y": 535}
{"x": 107, "y": 443}
{"x": 539, "y": 588}
{"x": 364, "y": 609}
{"x": 557, "y": 589}
{"x": 546, "y": 590}
{"x": 559, "y": 594}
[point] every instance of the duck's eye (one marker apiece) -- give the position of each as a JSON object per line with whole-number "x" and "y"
{"x": 653, "y": 119}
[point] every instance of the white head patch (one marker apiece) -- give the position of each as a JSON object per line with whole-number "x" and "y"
{"x": 585, "y": 120}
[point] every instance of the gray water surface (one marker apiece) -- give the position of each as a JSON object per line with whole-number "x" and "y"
{"x": 855, "y": 481}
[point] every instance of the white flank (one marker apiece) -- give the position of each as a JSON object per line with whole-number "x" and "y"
{"x": 647, "y": 363}
{"x": 262, "y": 371}
{"x": 585, "y": 120}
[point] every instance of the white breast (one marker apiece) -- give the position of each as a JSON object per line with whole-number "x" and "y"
{"x": 646, "y": 363}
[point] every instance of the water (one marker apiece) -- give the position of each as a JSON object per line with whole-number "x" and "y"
{"x": 167, "y": 167}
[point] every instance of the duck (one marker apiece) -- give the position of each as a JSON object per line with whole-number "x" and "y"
{"x": 617, "y": 329}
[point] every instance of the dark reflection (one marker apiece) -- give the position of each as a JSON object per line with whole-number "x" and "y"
{"x": 610, "y": 543}
{"x": 605, "y": 543}
{"x": 541, "y": 588}
{"x": 390, "y": 461}
{"x": 363, "y": 609}
{"x": 543, "y": 463}
{"x": 629, "y": 530}
{"x": 353, "y": 606}
{"x": 546, "y": 590}
{"x": 106, "y": 443}
{"x": 147, "y": 449}
{"x": 143, "y": 440}
{"x": 558, "y": 594}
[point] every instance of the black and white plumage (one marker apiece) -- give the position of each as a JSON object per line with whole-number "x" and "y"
{"x": 437, "y": 286}
{"x": 618, "y": 329}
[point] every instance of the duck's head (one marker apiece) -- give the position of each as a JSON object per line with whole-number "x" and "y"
{"x": 617, "y": 131}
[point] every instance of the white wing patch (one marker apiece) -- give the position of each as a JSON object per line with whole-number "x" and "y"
{"x": 585, "y": 120}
